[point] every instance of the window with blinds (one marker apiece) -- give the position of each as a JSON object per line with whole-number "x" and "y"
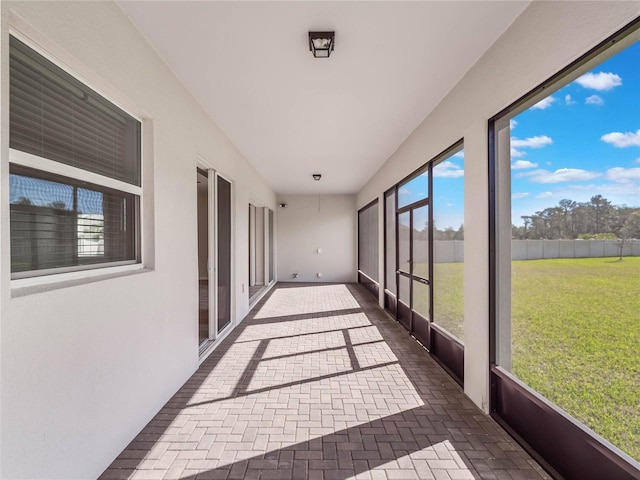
{"x": 75, "y": 172}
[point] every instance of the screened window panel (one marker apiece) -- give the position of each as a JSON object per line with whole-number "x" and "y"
{"x": 448, "y": 244}
{"x": 224, "y": 252}
{"x": 54, "y": 116}
{"x": 57, "y": 222}
{"x": 413, "y": 190}
{"x": 271, "y": 248}
{"x": 390, "y": 235}
{"x": 368, "y": 241}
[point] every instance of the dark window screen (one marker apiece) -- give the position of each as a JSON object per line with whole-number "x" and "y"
{"x": 54, "y": 116}
{"x": 368, "y": 241}
{"x": 224, "y": 253}
{"x": 58, "y": 222}
{"x": 271, "y": 248}
{"x": 390, "y": 236}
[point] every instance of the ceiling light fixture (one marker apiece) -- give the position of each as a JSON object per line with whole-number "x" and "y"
{"x": 321, "y": 43}
{"x": 316, "y": 177}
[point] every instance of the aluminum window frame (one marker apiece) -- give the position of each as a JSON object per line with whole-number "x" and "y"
{"x": 517, "y": 407}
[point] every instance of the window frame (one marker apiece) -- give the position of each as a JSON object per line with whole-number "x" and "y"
{"x": 443, "y": 346}
{"x": 48, "y": 166}
{"x": 364, "y": 278}
{"x": 446, "y": 155}
{"x": 267, "y": 267}
{"x": 544, "y": 430}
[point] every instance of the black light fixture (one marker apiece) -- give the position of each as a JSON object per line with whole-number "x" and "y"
{"x": 321, "y": 43}
{"x": 316, "y": 177}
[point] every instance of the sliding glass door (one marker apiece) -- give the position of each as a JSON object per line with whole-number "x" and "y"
{"x": 214, "y": 255}
{"x": 261, "y": 250}
{"x": 223, "y": 253}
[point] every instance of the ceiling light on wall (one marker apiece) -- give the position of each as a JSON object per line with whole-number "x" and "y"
{"x": 321, "y": 43}
{"x": 316, "y": 177}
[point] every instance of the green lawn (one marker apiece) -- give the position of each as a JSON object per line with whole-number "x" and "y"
{"x": 448, "y": 296}
{"x": 576, "y": 340}
{"x": 575, "y": 336}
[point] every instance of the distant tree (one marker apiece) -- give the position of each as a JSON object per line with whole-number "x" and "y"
{"x": 631, "y": 227}
{"x": 602, "y": 210}
{"x": 527, "y": 221}
{"x": 595, "y": 219}
{"x": 567, "y": 207}
{"x": 23, "y": 201}
{"x": 630, "y": 230}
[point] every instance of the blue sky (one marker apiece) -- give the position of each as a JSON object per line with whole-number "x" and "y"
{"x": 448, "y": 193}
{"x": 581, "y": 141}
{"x": 43, "y": 193}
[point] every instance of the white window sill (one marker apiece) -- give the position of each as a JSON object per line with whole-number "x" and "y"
{"x": 46, "y": 283}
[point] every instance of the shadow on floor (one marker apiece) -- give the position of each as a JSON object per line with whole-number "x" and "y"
{"x": 321, "y": 395}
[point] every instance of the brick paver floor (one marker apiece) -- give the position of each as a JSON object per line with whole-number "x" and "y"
{"x": 319, "y": 383}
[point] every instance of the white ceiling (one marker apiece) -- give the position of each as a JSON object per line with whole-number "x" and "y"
{"x": 292, "y": 115}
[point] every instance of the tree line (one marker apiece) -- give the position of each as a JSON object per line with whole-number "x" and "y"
{"x": 596, "y": 219}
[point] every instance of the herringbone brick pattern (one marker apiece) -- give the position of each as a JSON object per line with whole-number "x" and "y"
{"x": 319, "y": 383}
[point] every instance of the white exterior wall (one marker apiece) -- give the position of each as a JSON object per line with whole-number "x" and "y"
{"x": 84, "y": 368}
{"x": 544, "y": 39}
{"x": 310, "y": 222}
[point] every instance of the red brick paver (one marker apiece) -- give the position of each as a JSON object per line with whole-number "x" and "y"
{"x": 319, "y": 383}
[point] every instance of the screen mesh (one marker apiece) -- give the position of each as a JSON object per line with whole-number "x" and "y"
{"x": 59, "y": 222}
{"x": 224, "y": 253}
{"x": 368, "y": 240}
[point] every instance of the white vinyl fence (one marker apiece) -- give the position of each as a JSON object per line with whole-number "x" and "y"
{"x": 451, "y": 251}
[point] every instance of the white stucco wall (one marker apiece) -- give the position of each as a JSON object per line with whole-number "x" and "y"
{"x": 310, "y": 222}
{"x": 84, "y": 368}
{"x": 544, "y": 39}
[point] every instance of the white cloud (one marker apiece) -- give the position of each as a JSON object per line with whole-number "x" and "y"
{"x": 594, "y": 100}
{"x": 568, "y": 100}
{"x": 544, "y": 195}
{"x": 623, "y": 175}
{"x": 638, "y": 160}
{"x": 560, "y": 175}
{"x": 515, "y": 196}
{"x": 544, "y": 103}
{"x": 522, "y": 164}
{"x": 513, "y": 123}
{"x": 459, "y": 154}
{"x": 600, "y": 81}
{"x": 515, "y": 153}
{"x": 532, "y": 142}
{"x": 622, "y": 140}
{"x": 404, "y": 191}
{"x": 618, "y": 193}
{"x": 448, "y": 170}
